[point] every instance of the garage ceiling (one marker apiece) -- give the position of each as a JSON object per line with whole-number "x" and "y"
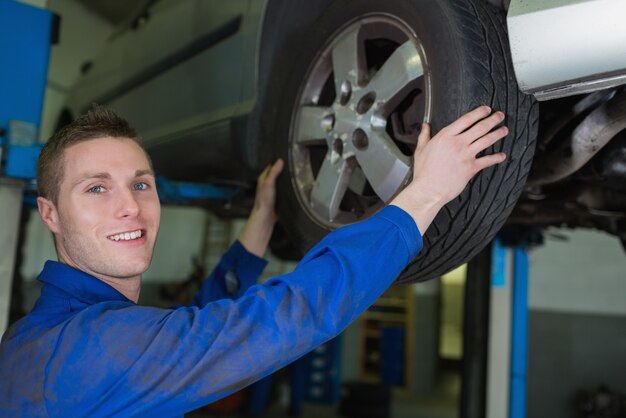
{"x": 115, "y": 11}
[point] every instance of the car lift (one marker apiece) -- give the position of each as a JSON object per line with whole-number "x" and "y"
{"x": 508, "y": 336}
{"x": 26, "y": 33}
{"x": 495, "y": 342}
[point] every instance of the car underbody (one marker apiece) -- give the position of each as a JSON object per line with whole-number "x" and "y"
{"x": 578, "y": 177}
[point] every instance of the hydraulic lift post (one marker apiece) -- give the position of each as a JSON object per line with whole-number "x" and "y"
{"x": 508, "y": 332}
{"x": 26, "y": 33}
{"x": 495, "y": 341}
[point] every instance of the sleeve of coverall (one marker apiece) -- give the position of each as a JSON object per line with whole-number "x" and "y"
{"x": 237, "y": 270}
{"x": 141, "y": 361}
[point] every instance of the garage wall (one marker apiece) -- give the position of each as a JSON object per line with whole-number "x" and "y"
{"x": 577, "y": 328}
{"x": 584, "y": 274}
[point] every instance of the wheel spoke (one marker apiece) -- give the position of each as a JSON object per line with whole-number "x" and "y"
{"x": 331, "y": 185}
{"x": 309, "y": 129}
{"x": 385, "y": 167}
{"x": 349, "y": 59}
{"x": 398, "y": 74}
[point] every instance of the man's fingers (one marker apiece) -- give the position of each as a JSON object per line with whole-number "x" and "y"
{"x": 271, "y": 171}
{"x": 483, "y": 127}
{"x": 468, "y": 119}
{"x": 424, "y": 135}
{"x": 490, "y": 160}
{"x": 276, "y": 169}
{"x": 488, "y": 140}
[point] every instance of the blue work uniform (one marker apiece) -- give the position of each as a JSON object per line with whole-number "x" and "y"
{"x": 87, "y": 351}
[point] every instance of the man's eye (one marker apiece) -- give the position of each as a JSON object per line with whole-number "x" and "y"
{"x": 96, "y": 189}
{"x": 140, "y": 186}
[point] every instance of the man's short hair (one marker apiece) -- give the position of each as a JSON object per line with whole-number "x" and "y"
{"x": 98, "y": 122}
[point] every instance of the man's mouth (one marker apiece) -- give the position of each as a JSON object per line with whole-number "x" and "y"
{"x": 126, "y": 236}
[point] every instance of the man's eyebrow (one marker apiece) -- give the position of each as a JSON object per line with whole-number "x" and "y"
{"x": 89, "y": 176}
{"x": 147, "y": 171}
{"x": 107, "y": 176}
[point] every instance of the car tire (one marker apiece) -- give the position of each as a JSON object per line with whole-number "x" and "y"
{"x": 462, "y": 49}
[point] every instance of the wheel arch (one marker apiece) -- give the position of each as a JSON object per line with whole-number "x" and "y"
{"x": 280, "y": 22}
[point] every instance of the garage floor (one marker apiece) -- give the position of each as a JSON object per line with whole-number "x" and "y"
{"x": 442, "y": 403}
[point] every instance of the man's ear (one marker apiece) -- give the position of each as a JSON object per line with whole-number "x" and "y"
{"x": 49, "y": 214}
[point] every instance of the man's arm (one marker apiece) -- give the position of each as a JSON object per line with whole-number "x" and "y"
{"x": 240, "y": 267}
{"x": 235, "y": 273}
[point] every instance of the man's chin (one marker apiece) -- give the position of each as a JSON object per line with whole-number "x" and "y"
{"x": 132, "y": 269}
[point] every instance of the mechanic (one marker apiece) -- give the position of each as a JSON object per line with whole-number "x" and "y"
{"x": 88, "y": 350}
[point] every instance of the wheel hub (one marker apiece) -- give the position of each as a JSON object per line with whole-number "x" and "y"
{"x": 346, "y": 158}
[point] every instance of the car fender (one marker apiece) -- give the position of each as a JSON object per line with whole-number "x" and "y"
{"x": 564, "y": 48}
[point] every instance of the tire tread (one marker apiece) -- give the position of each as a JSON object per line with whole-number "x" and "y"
{"x": 470, "y": 224}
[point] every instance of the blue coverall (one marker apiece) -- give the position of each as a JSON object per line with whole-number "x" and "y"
{"x": 87, "y": 351}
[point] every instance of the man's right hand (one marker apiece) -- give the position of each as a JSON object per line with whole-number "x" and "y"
{"x": 444, "y": 165}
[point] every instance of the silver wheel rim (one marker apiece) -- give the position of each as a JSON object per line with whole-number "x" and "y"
{"x": 356, "y": 120}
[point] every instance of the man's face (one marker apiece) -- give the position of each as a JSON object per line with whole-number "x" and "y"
{"x": 107, "y": 213}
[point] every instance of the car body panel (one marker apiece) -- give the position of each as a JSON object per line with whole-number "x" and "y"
{"x": 177, "y": 46}
{"x": 150, "y": 71}
{"x": 566, "y": 47}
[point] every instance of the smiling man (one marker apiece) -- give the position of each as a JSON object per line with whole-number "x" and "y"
{"x": 104, "y": 211}
{"x": 88, "y": 350}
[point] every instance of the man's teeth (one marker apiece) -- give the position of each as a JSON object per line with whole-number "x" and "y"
{"x": 126, "y": 236}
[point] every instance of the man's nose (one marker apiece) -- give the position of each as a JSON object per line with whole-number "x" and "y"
{"x": 127, "y": 204}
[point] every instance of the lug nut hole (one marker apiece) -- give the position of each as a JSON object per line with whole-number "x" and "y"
{"x": 366, "y": 102}
{"x": 360, "y": 140}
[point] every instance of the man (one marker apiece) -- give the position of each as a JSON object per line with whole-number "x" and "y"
{"x": 87, "y": 349}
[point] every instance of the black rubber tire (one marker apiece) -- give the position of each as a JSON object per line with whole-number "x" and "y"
{"x": 466, "y": 47}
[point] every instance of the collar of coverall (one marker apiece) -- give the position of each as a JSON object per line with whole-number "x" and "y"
{"x": 78, "y": 284}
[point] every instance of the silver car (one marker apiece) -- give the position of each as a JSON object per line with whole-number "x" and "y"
{"x": 339, "y": 88}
